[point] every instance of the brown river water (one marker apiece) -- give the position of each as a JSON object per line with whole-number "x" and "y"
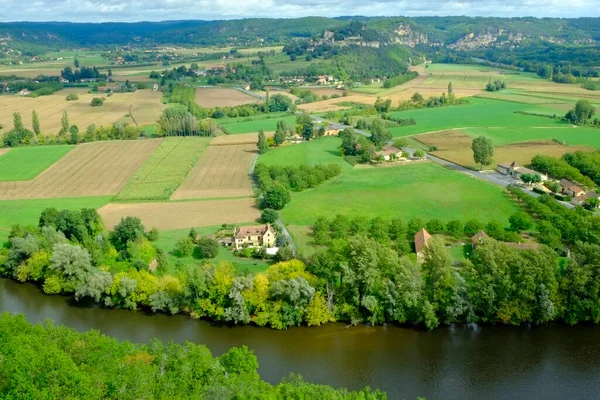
{"x": 454, "y": 362}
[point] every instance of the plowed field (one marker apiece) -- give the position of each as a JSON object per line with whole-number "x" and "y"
{"x": 222, "y": 171}
{"x": 93, "y": 169}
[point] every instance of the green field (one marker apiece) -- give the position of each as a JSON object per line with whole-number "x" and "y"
{"x": 25, "y": 163}
{"x": 168, "y": 239}
{"x": 27, "y": 212}
{"x": 162, "y": 173}
{"x": 266, "y": 122}
{"x": 319, "y": 151}
{"x": 498, "y": 120}
{"x": 424, "y": 191}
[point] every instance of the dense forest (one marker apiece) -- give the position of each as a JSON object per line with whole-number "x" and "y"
{"x": 55, "y": 362}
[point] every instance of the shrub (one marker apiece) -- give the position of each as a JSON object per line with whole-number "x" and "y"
{"x": 184, "y": 247}
{"x": 97, "y": 101}
{"x": 207, "y": 248}
{"x": 72, "y": 97}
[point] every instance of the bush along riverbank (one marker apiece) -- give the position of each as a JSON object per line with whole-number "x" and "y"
{"x": 55, "y": 362}
{"x": 360, "y": 276}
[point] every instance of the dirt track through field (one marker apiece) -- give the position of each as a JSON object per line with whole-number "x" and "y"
{"x": 94, "y": 169}
{"x": 222, "y": 171}
{"x": 186, "y": 214}
{"x": 3, "y": 151}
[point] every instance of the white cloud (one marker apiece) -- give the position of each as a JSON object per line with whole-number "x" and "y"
{"x": 160, "y": 10}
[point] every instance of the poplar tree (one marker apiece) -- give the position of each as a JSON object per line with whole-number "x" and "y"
{"x": 262, "y": 144}
{"x": 35, "y": 121}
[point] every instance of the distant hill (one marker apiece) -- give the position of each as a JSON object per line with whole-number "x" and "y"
{"x": 504, "y": 40}
{"x": 457, "y": 32}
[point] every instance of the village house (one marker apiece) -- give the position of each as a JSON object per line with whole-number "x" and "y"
{"x": 571, "y": 189}
{"x": 63, "y": 80}
{"x": 258, "y": 235}
{"x": 580, "y": 200}
{"x": 389, "y": 153}
{"x": 24, "y": 92}
{"x": 477, "y": 238}
{"x": 516, "y": 171}
{"x": 155, "y": 87}
{"x": 422, "y": 239}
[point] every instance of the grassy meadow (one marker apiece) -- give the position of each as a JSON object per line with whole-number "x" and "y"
{"x": 25, "y": 163}
{"x": 424, "y": 191}
{"x": 319, "y": 151}
{"x": 266, "y": 122}
{"x": 165, "y": 169}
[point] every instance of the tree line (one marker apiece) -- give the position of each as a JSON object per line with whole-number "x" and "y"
{"x": 277, "y": 181}
{"x": 59, "y": 362}
{"x": 69, "y": 133}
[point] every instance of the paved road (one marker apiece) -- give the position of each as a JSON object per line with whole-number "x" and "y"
{"x": 284, "y": 231}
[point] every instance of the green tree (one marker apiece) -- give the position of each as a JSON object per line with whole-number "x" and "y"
{"x": 417, "y": 98}
{"x": 64, "y": 124}
{"x": 184, "y": 247}
{"x": 128, "y": 229}
{"x": 268, "y": 215}
{"x": 74, "y": 131}
{"x": 582, "y": 113}
{"x": 280, "y": 132}
{"x": 207, "y": 248}
{"x": 308, "y": 130}
{"x": 520, "y": 221}
{"x": 455, "y": 228}
{"x": 277, "y": 196}
{"x": 383, "y": 106}
{"x": 530, "y": 179}
{"x": 35, "y": 122}
{"x": 438, "y": 277}
{"x": 76, "y": 63}
{"x": 262, "y": 144}
{"x": 483, "y": 151}
{"x": 472, "y": 226}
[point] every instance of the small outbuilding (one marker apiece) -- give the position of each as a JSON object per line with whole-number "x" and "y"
{"x": 422, "y": 239}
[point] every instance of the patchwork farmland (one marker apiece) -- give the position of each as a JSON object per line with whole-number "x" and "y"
{"x": 94, "y": 169}
{"x": 223, "y": 171}
{"x": 185, "y": 214}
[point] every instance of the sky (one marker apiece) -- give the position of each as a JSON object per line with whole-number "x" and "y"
{"x": 161, "y": 10}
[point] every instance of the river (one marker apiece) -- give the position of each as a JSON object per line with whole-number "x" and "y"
{"x": 455, "y": 362}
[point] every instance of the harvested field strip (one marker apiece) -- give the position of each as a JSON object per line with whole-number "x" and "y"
{"x": 4, "y": 151}
{"x": 221, "y": 97}
{"x": 223, "y": 171}
{"x": 245, "y": 138}
{"x": 164, "y": 170}
{"x": 25, "y": 163}
{"x": 93, "y": 169}
{"x": 180, "y": 215}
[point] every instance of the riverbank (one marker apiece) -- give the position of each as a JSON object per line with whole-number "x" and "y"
{"x": 452, "y": 362}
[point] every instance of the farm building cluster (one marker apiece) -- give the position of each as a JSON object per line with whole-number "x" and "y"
{"x": 578, "y": 195}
